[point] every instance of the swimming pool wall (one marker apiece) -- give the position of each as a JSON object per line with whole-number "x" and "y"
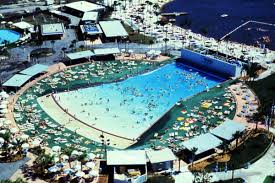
{"x": 206, "y": 63}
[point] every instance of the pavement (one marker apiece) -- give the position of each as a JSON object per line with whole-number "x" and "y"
{"x": 8, "y": 169}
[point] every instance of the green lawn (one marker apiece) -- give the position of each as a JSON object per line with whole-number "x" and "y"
{"x": 269, "y": 179}
{"x": 247, "y": 152}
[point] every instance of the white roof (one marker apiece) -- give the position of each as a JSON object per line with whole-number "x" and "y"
{"x": 91, "y": 15}
{"x": 23, "y": 25}
{"x": 17, "y": 80}
{"x": 227, "y": 129}
{"x": 113, "y": 28}
{"x": 106, "y": 51}
{"x": 202, "y": 142}
{"x": 84, "y": 6}
{"x": 52, "y": 29}
{"x": 126, "y": 157}
{"x": 160, "y": 155}
{"x": 80, "y": 54}
{"x": 35, "y": 69}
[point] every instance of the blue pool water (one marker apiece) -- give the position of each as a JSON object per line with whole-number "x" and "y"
{"x": 128, "y": 108}
{"x": 8, "y": 35}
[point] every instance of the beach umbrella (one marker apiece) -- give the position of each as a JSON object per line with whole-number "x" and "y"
{"x": 25, "y": 146}
{"x": 91, "y": 156}
{"x": 56, "y": 148}
{"x": 3, "y": 131}
{"x": 3, "y": 22}
{"x": 93, "y": 173}
{"x": 53, "y": 169}
{"x": 56, "y": 159}
{"x": 36, "y": 142}
{"x": 14, "y": 130}
{"x": 10, "y": 22}
{"x": 1, "y": 124}
{"x": 3, "y": 94}
{"x": 24, "y": 137}
{"x": 79, "y": 174}
{"x": 90, "y": 165}
{"x": 64, "y": 157}
{"x": 2, "y": 140}
{"x": 77, "y": 167}
{"x": 68, "y": 171}
{"x": 4, "y": 111}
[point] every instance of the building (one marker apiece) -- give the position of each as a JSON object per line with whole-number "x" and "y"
{"x": 161, "y": 160}
{"x": 79, "y": 8}
{"x": 113, "y": 30}
{"x": 127, "y": 166}
{"x": 90, "y": 17}
{"x": 90, "y": 31}
{"x": 52, "y": 31}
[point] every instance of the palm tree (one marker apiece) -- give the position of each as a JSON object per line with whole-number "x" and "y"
{"x": 237, "y": 135}
{"x": 224, "y": 146}
{"x": 63, "y": 51}
{"x": 52, "y": 42}
{"x": 193, "y": 151}
{"x": 68, "y": 151}
{"x": 82, "y": 158}
{"x": 42, "y": 163}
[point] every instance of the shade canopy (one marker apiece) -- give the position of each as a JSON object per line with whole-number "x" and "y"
{"x": 52, "y": 29}
{"x": 113, "y": 28}
{"x": 23, "y": 25}
{"x": 227, "y": 129}
{"x": 90, "y": 16}
{"x": 80, "y": 54}
{"x": 35, "y": 69}
{"x": 203, "y": 143}
{"x": 106, "y": 51}
{"x": 17, "y": 80}
{"x": 160, "y": 156}
{"x": 126, "y": 157}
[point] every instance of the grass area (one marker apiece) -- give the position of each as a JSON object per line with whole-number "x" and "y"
{"x": 160, "y": 178}
{"x": 269, "y": 179}
{"x": 264, "y": 89}
{"x": 41, "y": 52}
{"x": 248, "y": 152}
{"x": 136, "y": 37}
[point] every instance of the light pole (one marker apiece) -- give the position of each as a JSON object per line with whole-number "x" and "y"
{"x": 104, "y": 143}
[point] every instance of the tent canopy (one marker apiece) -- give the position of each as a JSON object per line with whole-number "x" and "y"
{"x": 160, "y": 155}
{"x": 126, "y": 157}
{"x": 23, "y": 25}
{"x": 227, "y": 129}
{"x": 202, "y": 142}
{"x": 106, "y": 51}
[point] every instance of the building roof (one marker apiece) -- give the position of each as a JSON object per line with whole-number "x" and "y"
{"x": 202, "y": 142}
{"x": 91, "y": 29}
{"x": 52, "y": 29}
{"x": 113, "y": 28}
{"x": 126, "y": 157}
{"x": 35, "y": 69}
{"x": 84, "y": 6}
{"x": 106, "y": 51}
{"x": 90, "y": 16}
{"x": 23, "y": 25}
{"x": 17, "y": 80}
{"x": 160, "y": 155}
{"x": 80, "y": 54}
{"x": 227, "y": 129}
